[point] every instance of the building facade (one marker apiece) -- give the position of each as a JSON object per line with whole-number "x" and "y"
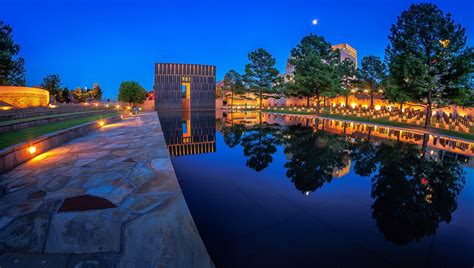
{"x": 184, "y": 86}
{"x": 347, "y": 52}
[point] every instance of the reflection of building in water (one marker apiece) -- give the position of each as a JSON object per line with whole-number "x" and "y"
{"x": 189, "y": 132}
{"x": 339, "y": 172}
{"x": 361, "y": 131}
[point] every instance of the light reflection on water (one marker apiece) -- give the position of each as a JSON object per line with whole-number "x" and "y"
{"x": 289, "y": 190}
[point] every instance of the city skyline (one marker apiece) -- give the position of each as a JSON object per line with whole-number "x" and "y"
{"x": 85, "y": 42}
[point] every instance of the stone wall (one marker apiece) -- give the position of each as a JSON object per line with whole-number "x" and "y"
{"x": 12, "y": 156}
{"x": 23, "y": 97}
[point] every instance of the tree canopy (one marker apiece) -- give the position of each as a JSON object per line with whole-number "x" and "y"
{"x": 12, "y": 68}
{"x": 372, "y": 75}
{"x": 53, "y": 84}
{"x": 429, "y": 60}
{"x": 260, "y": 74}
{"x": 316, "y": 68}
{"x": 233, "y": 83}
{"x": 131, "y": 92}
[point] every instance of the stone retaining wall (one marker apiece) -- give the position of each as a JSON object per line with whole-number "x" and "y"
{"x": 39, "y": 122}
{"x": 12, "y": 156}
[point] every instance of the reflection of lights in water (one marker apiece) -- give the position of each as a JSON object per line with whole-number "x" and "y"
{"x": 306, "y": 193}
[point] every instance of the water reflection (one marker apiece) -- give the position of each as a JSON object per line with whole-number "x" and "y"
{"x": 415, "y": 178}
{"x": 412, "y": 192}
{"x": 313, "y": 157}
{"x": 188, "y": 133}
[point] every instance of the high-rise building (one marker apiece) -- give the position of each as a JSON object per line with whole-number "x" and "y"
{"x": 347, "y": 52}
{"x": 184, "y": 86}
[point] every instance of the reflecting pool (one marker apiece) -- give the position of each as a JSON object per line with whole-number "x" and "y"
{"x": 290, "y": 191}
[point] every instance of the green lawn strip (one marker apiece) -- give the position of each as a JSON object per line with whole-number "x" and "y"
{"x": 381, "y": 121}
{"x": 14, "y": 137}
{"x": 16, "y": 121}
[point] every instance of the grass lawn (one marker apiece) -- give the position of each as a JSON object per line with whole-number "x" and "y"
{"x": 381, "y": 121}
{"x": 3, "y": 123}
{"x": 14, "y": 137}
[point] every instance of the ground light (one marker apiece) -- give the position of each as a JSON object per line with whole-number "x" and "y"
{"x": 101, "y": 123}
{"x": 32, "y": 149}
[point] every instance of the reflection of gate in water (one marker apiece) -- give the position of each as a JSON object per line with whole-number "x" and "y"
{"x": 189, "y": 132}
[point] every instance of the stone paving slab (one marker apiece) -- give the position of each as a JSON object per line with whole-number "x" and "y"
{"x": 127, "y": 165}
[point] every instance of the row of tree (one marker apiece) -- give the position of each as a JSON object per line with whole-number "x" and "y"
{"x": 427, "y": 62}
{"x": 61, "y": 94}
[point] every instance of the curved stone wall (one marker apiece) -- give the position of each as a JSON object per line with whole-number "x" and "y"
{"x": 23, "y": 97}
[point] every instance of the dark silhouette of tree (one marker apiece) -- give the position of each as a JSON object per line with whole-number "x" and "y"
{"x": 314, "y": 156}
{"x": 233, "y": 134}
{"x": 259, "y": 145}
{"x": 412, "y": 192}
{"x": 12, "y": 68}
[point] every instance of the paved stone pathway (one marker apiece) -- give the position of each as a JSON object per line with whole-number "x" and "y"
{"x": 109, "y": 198}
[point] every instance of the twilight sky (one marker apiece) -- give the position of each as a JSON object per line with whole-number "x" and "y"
{"x": 109, "y": 41}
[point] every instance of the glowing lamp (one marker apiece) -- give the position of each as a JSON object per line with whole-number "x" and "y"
{"x": 96, "y": 104}
{"x": 377, "y": 107}
{"x": 32, "y": 149}
{"x": 101, "y": 123}
{"x": 52, "y": 106}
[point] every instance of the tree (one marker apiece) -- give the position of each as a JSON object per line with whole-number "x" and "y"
{"x": 347, "y": 74}
{"x": 78, "y": 94}
{"x": 233, "y": 83}
{"x": 316, "y": 73}
{"x": 96, "y": 92}
{"x": 372, "y": 75}
{"x": 53, "y": 84}
{"x": 131, "y": 92}
{"x": 428, "y": 58}
{"x": 12, "y": 68}
{"x": 260, "y": 74}
{"x": 64, "y": 96}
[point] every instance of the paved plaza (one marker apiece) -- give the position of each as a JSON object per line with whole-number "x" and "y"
{"x": 109, "y": 198}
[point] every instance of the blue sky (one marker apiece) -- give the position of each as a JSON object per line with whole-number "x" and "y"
{"x": 111, "y": 41}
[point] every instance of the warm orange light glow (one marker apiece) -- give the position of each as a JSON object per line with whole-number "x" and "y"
{"x": 6, "y": 108}
{"x": 23, "y": 97}
{"x": 52, "y": 106}
{"x": 96, "y": 104}
{"x": 377, "y": 107}
{"x": 32, "y": 149}
{"x": 101, "y": 123}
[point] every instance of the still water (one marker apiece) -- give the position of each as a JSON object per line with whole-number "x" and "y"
{"x": 290, "y": 191}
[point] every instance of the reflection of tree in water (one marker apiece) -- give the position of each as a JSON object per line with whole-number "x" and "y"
{"x": 259, "y": 145}
{"x": 412, "y": 193}
{"x": 233, "y": 134}
{"x": 313, "y": 156}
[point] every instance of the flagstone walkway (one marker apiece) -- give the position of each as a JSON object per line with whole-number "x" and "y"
{"x": 109, "y": 198}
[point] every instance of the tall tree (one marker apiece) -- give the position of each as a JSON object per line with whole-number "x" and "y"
{"x": 64, "y": 96}
{"x": 429, "y": 60}
{"x": 347, "y": 74}
{"x": 234, "y": 84}
{"x": 78, "y": 94}
{"x": 260, "y": 74}
{"x": 316, "y": 73}
{"x": 131, "y": 92}
{"x": 96, "y": 92}
{"x": 12, "y": 68}
{"x": 372, "y": 75}
{"x": 53, "y": 84}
